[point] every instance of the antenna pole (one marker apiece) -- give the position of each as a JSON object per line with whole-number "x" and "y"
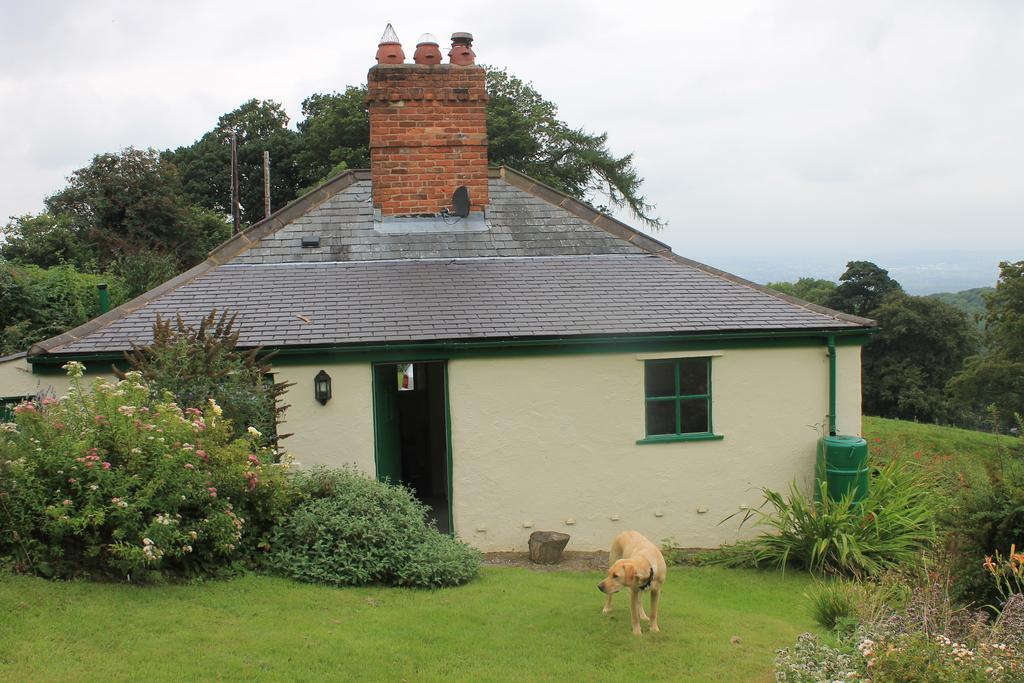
{"x": 236, "y": 213}
{"x": 266, "y": 184}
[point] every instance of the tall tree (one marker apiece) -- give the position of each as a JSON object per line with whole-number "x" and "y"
{"x": 525, "y": 133}
{"x": 129, "y": 202}
{"x": 997, "y": 377}
{"x": 862, "y": 288}
{"x": 335, "y": 132}
{"x": 920, "y": 345}
{"x": 206, "y": 164}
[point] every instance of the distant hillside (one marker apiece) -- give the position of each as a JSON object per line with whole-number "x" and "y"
{"x": 970, "y": 301}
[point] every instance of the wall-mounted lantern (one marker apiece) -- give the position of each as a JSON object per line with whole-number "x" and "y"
{"x": 322, "y": 387}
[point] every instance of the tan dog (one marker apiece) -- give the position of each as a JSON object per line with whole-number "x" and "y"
{"x": 637, "y": 564}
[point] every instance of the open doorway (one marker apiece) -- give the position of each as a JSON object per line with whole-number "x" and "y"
{"x": 410, "y": 417}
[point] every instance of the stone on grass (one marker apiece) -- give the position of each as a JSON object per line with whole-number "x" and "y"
{"x": 546, "y": 546}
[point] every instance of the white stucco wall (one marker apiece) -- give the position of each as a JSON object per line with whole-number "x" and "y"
{"x": 338, "y": 433}
{"x": 550, "y": 441}
{"x": 16, "y": 379}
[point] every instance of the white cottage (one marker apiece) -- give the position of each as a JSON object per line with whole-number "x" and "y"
{"x": 521, "y": 360}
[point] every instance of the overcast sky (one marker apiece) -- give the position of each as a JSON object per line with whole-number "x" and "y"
{"x": 843, "y": 128}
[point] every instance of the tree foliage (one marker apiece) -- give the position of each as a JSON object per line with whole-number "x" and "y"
{"x": 921, "y": 344}
{"x": 335, "y": 133}
{"x": 862, "y": 288}
{"x": 258, "y": 125}
{"x": 132, "y": 201}
{"x": 810, "y": 289}
{"x": 39, "y": 303}
{"x": 997, "y": 377}
{"x": 525, "y": 133}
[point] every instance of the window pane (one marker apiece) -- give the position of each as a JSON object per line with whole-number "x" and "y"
{"x": 660, "y": 379}
{"x": 694, "y": 415}
{"x": 661, "y": 417}
{"x": 693, "y": 376}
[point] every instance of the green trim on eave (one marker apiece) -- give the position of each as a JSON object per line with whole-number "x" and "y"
{"x": 666, "y": 438}
{"x": 416, "y": 351}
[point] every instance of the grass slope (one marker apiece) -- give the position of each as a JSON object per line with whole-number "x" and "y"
{"x": 951, "y": 450}
{"x": 510, "y": 624}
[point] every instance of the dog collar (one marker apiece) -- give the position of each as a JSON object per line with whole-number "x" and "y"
{"x": 647, "y": 584}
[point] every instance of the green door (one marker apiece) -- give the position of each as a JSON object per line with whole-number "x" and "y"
{"x": 386, "y": 436}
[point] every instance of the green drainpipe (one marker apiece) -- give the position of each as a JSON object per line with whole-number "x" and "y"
{"x": 832, "y": 385}
{"x": 104, "y": 297}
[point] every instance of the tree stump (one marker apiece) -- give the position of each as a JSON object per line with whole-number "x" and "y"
{"x": 546, "y": 546}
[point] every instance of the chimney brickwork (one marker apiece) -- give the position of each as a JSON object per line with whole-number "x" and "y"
{"x": 428, "y": 136}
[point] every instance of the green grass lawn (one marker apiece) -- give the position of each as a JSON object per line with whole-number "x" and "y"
{"x": 510, "y": 624}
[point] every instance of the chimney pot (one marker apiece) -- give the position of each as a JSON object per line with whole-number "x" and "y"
{"x": 427, "y": 51}
{"x": 462, "y": 49}
{"x": 389, "y": 49}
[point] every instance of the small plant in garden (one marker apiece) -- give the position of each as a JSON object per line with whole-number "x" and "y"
{"x": 811, "y": 661}
{"x": 110, "y": 482}
{"x": 889, "y": 527}
{"x": 1008, "y": 572}
{"x": 353, "y": 530}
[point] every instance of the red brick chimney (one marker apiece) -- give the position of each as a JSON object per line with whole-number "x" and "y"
{"x": 428, "y": 134}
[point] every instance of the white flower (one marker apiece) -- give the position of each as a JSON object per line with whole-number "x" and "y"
{"x": 74, "y": 369}
{"x": 147, "y": 541}
{"x": 254, "y": 432}
{"x": 215, "y": 408}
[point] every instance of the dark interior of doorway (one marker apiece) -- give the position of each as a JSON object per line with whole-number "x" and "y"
{"x": 415, "y": 452}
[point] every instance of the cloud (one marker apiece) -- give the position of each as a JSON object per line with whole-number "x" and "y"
{"x": 844, "y": 125}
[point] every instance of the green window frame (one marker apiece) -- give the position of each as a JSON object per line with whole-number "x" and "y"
{"x": 677, "y": 400}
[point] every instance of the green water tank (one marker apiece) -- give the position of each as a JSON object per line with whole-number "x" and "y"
{"x": 843, "y": 462}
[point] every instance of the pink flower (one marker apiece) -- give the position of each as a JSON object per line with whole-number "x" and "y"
{"x": 202, "y": 454}
{"x": 106, "y": 465}
{"x": 59, "y": 426}
{"x": 88, "y": 465}
{"x": 253, "y": 459}
{"x": 212, "y": 491}
{"x": 72, "y": 480}
{"x": 67, "y": 501}
{"x": 100, "y": 419}
{"x": 189, "y": 466}
{"x": 49, "y": 401}
{"x": 24, "y": 408}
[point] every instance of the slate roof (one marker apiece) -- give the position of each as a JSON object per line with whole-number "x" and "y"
{"x": 521, "y": 224}
{"x": 546, "y": 266}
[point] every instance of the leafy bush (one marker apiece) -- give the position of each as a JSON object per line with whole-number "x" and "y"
{"x": 990, "y": 520}
{"x": 110, "y": 483}
{"x": 196, "y": 364}
{"x": 889, "y": 527}
{"x": 353, "y": 530}
{"x": 40, "y": 303}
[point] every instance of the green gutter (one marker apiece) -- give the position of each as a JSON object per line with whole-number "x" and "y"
{"x": 832, "y": 385}
{"x": 575, "y": 344}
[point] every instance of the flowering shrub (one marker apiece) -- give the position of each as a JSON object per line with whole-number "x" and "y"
{"x": 109, "y": 482}
{"x": 915, "y": 657}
